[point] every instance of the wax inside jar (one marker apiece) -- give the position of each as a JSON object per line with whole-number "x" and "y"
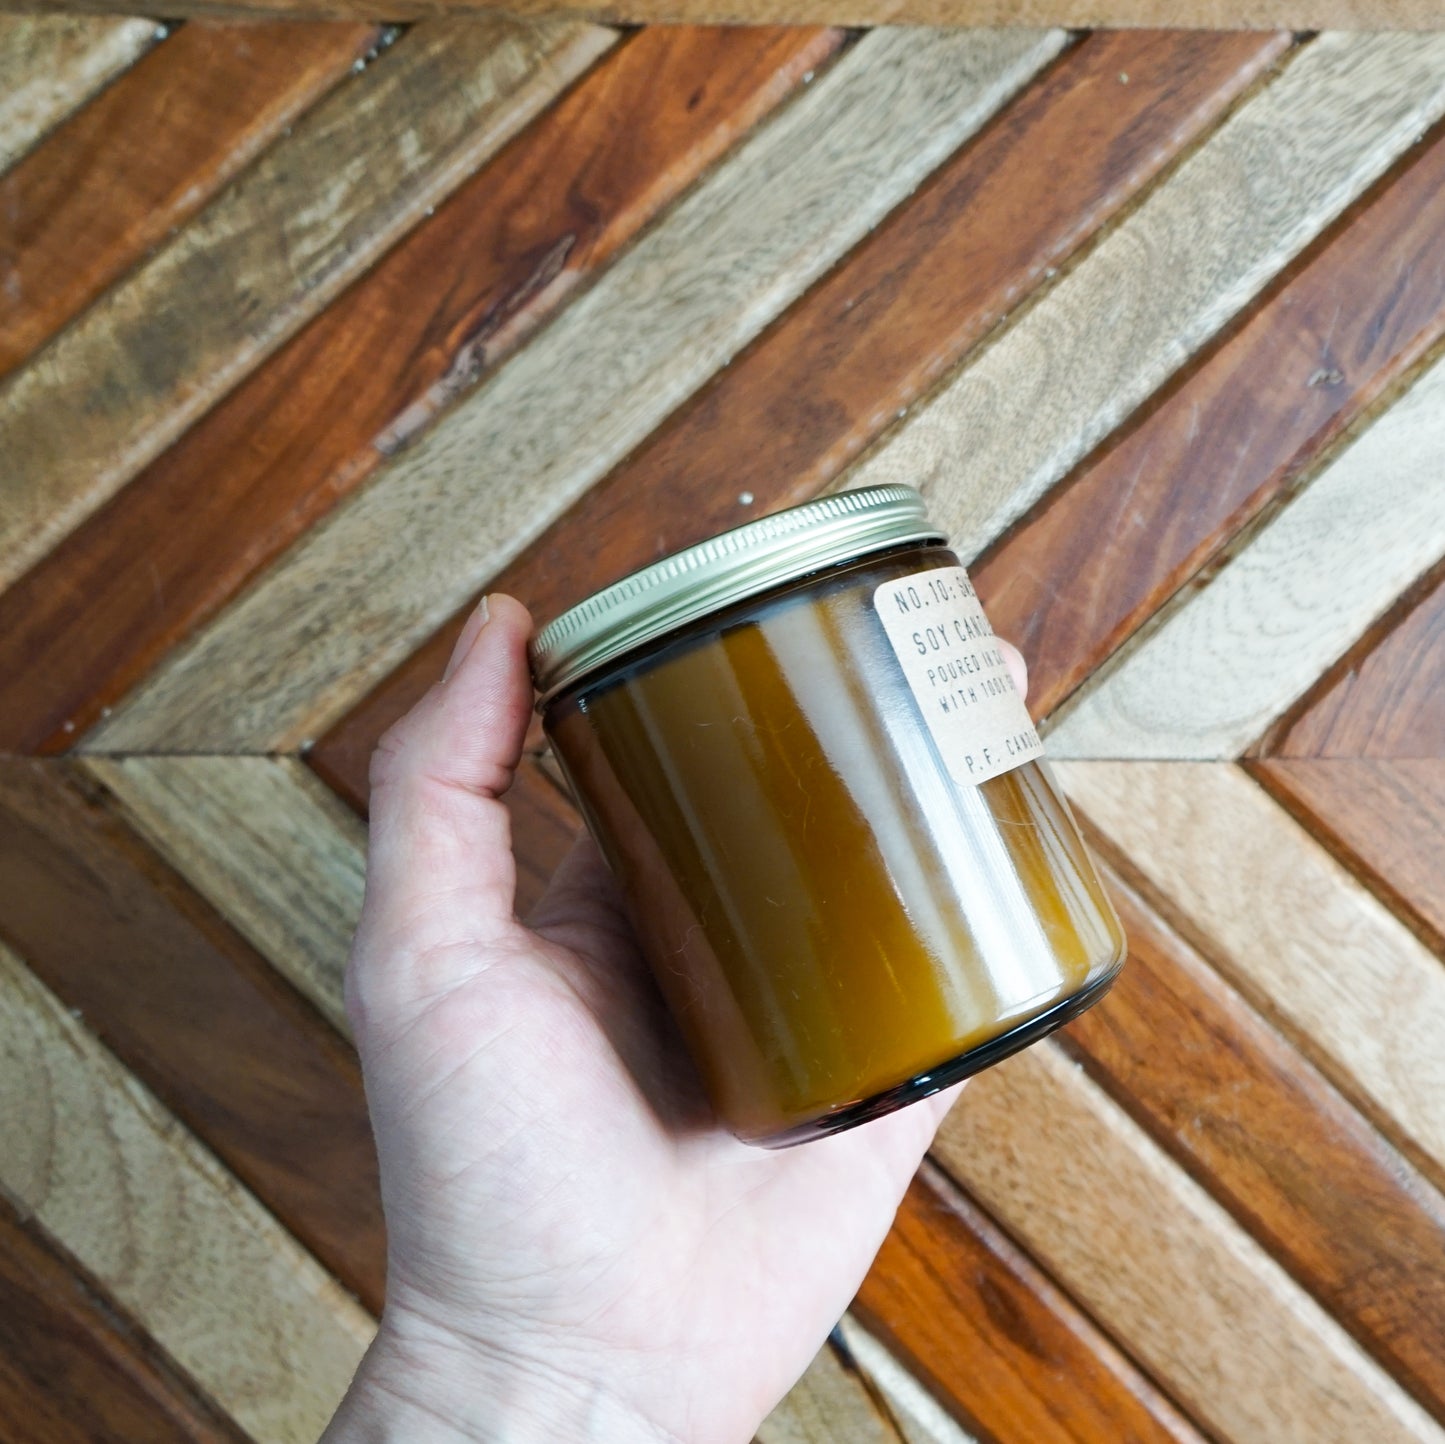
{"x": 828, "y": 913}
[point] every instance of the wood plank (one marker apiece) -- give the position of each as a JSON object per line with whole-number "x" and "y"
{"x": 355, "y": 174}
{"x": 993, "y": 440}
{"x": 72, "y": 1371}
{"x": 830, "y": 1403}
{"x": 916, "y": 1414}
{"x": 196, "y": 1014}
{"x": 1078, "y": 14}
{"x": 1159, "y": 1263}
{"x": 1273, "y": 1142}
{"x": 800, "y": 402}
{"x": 145, "y": 156}
{"x": 170, "y": 1235}
{"x": 447, "y": 512}
{"x": 1302, "y": 368}
{"x": 1384, "y": 818}
{"x": 267, "y": 844}
{"x": 1234, "y": 655}
{"x": 446, "y": 303}
{"x": 1311, "y": 949}
{"x": 994, "y": 1338}
{"x": 52, "y": 64}
{"x": 1389, "y": 703}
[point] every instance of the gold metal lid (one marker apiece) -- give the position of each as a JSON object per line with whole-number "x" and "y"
{"x": 725, "y": 569}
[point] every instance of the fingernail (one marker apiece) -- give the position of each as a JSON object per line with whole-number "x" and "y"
{"x": 465, "y": 642}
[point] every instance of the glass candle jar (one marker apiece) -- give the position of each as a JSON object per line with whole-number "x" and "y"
{"x": 803, "y": 756}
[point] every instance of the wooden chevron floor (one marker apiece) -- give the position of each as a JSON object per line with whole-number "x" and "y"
{"x": 310, "y": 333}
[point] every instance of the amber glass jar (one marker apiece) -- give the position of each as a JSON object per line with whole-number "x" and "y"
{"x": 802, "y": 754}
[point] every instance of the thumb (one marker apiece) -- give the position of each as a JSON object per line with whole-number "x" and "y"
{"x": 440, "y": 858}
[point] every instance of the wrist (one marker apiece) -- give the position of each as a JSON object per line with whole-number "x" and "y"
{"x": 421, "y": 1384}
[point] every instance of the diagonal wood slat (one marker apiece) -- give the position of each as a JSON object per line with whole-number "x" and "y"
{"x": 71, "y": 1371}
{"x": 829, "y": 1402}
{"x": 992, "y": 1335}
{"x": 1235, "y": 654}
{"x": 916, "y": 1414}
{"x": 146, "y": 156}
{"x": 1130, "y": 1235}
{"x": 1348, "y": 983}
{"x": 199, "y": 1017}
{"x": 360, "y": 170}
{"x": 995, "y": 438}
{"x": 52, "y": 64}
{"x": 1275, "y": 1144}
{"x": 447, "y": 302}
{"x": 253, "y": 1320}
{"x": 1233, "y": 437}
{"x": 926, "y": 286}
{"x": 785, "y": 206}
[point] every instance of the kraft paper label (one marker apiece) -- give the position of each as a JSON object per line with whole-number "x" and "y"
{"x": 957, "y": 673}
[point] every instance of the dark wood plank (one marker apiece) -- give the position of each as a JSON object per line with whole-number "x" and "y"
{"x": 193, "y": 1011}
{"x": 1079, "y": 14}
{"x": 797, "y": 405}
{"x": 311, "y": 424}
{"x": 72, "y": 1371}
{"x": 1011, "y": 1356}
{"x": 1387, "y": 699}
{"x": 1383, "y": 817}
{"x": 1297, "y": 1165}
{"x": 145, "y": 156}
{"x": 1166, "y": 496}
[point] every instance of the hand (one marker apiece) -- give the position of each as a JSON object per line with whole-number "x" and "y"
{"x": 576, "y": 1249}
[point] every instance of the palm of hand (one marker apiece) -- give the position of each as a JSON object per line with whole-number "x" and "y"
{"x": 556, "y": 1190}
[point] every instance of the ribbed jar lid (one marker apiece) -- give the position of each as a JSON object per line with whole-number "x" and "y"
{"x": 716, "y": 573}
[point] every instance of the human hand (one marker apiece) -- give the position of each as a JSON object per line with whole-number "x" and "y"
{"x": 576, "y": 1250}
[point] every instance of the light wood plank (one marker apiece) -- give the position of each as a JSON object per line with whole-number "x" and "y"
{"x": 1234, "y": 655}
{"x": 142, "y": 158}
{"x": 50, "y": 64}
{"x": 1199, "y": 14}
{"x": 1161, "y": 1265}
{"x": 364, "y": 587}
{"x": 363, "y": 167}
{"x": 1289, "y": 926}
{"x": 1011, "y": 423}
{"x": 830, "y": 1404}
{"x": 181, "y": 1246}
{"x": 268, "y": 844}
{"x": 917, "y": 1415}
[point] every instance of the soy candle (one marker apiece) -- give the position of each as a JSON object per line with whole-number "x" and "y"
{"x": 849, "y": 868}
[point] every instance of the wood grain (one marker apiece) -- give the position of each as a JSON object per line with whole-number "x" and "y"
{"x": 72, "y": 1371}
{"x": 993, "y": 440}
{"x": 916, "y": 1414}
{"x": 170, "y": 1235}
{"x": 798, "y": 403}
{"x": 356, "y": 173}
{"x": 1160, "y": 1264}
{"x": 1234, "y": 655}
{"x": 196, "y": 1014}
{"x": 1198, "y": 14}
{"x": 145, "y": 156}
{"x": 380, "y": 573}
{"x": 51, "y": 64}
{"x": 445, "y": 304}
{"x": 1348, "y": 983}
{"x": 1273, "y": 1142}
{"x": 1301, "y": 368}
{"x": 1385, "y": 818}
{"x": 978, "y": 1323}
{"x": 267, "y": 844}
{"x": 829, "y": 1403}
{"x": 1390, "y": 703}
